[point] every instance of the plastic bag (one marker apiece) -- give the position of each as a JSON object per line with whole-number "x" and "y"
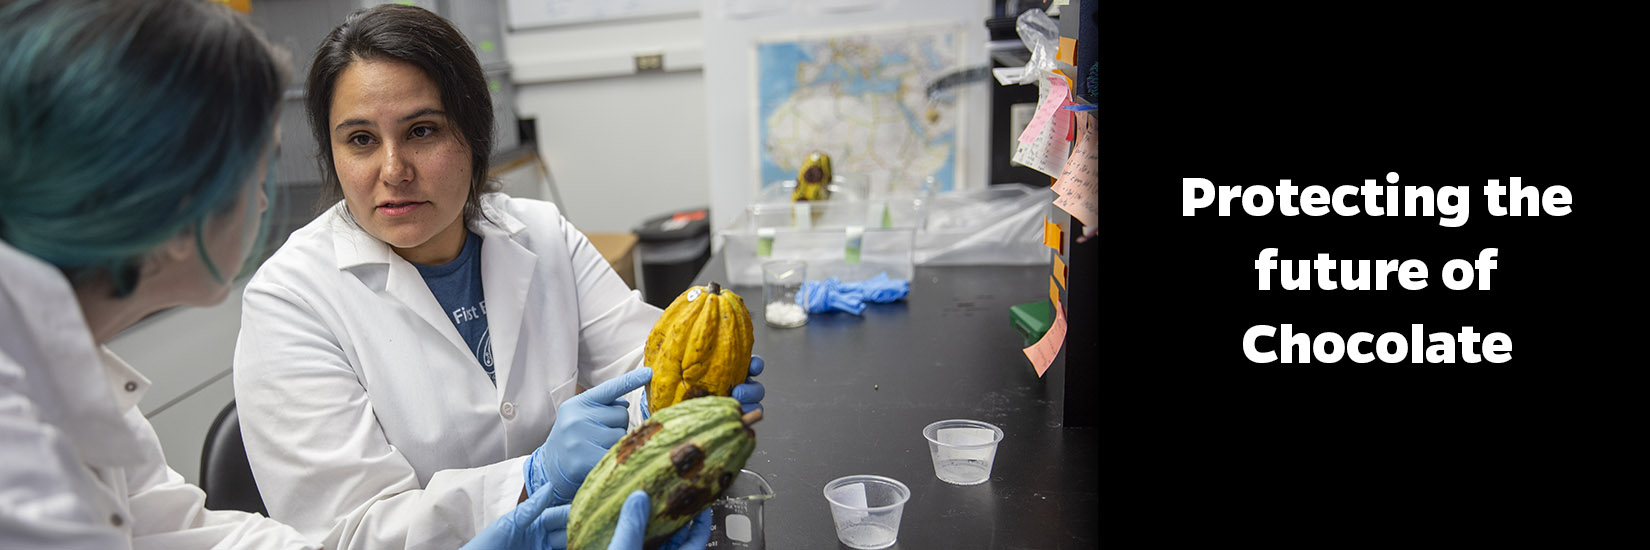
{"x": 999, "y": 225}
{"x": 1041, "y": 36}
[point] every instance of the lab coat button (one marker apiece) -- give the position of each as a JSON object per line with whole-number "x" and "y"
{"x": 131, "y": 386}
{"x": 508, "y": 409}
{"x": 116, "y": 520}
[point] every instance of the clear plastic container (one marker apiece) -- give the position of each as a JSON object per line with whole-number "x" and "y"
{"x": 962, "y": 450}
{"x": 866, "y": 510}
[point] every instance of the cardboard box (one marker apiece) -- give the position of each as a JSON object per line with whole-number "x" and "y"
{"x": 620, "y": 251}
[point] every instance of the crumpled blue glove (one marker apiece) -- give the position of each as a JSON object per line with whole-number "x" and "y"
{"x": 749, "y": 394}
{"x": 632, "y": 528}
{"x": 832, "y": 293}
{"x": 586, "y": 427}
{"x": 532, "y": 525}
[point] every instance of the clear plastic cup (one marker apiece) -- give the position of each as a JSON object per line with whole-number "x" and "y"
{"x": 781, "y": 284}
{"x": 866, "y": 510}
{"x": 738, "y": 513}
{"x": 962, "y": 450}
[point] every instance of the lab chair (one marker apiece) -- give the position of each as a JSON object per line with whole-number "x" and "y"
{"x": 226, "y": 476}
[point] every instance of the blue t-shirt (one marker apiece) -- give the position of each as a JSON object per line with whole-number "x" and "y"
{"x": 457, "y": 286}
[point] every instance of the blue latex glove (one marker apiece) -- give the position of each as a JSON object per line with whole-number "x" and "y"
{"x": 882, "y": 289}
{"x": 632, "y": 528}
{"x": 832, "y": 293}
{"x": 586, "y": 427}
{"x": 532, "y": 525}
{"x": 749, "y": 394}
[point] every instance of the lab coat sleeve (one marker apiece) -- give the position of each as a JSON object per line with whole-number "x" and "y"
{"x": 170, "y": 513}
{"x": 614, "y": 321}
{"x": 322, "y": 462}
{"x": 39, "y": 507}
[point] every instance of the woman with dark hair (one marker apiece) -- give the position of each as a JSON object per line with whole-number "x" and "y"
{"x": 410, "y": 363}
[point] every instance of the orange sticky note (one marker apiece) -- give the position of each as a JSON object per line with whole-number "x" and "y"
{"x": 1060, "y": 271}
{"x": 1051, "y": 237}
{"x": 1068, "y": 50}
{"x": 1053, "y": 291}
{"x": 1044, "y": 351}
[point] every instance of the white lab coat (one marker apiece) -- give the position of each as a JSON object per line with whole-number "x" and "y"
{"x": 80, "y": 467}
{"x": 368, "y": 421}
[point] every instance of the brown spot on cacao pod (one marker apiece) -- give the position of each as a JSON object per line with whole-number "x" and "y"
{"x": 637, "y": 439}
{"x": 688, "y": 459}
{"x": 813, "y": 175}
{"x": 687, "y": 499}
{"x": 697, "y": 391}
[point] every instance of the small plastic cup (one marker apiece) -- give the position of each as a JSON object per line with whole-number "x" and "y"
{"x": 738, "y": 513}
{"x": 962, "y": 450}
{"x": 781, "y": 285}
{"x": 866, "y": 510}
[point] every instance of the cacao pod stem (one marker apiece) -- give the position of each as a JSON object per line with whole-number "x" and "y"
{"x": 751, "y": 417}
{"x": 714, "y": 288}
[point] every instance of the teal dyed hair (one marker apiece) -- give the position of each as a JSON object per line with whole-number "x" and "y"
{"x": 123, "y": 123}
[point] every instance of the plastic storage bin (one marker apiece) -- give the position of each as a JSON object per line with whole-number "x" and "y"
{"x": 854, "y": 235}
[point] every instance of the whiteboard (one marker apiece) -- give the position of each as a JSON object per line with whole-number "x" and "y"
{"x": 542, "y": 13}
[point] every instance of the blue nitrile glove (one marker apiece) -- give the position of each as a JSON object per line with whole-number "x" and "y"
{"x": 882, "y": 289}
{"x": 586, "y": 427}
{"x": 531, "y": 526}
{"x": 749, "y": 394}
{"x": 829, "y": 294}
{"x": 632, "y": 527}
{"x": 834, "y": 294}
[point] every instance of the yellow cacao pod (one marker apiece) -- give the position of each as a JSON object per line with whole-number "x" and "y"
{"x": 814, "y": 179}
{"x": 700, "y": 346}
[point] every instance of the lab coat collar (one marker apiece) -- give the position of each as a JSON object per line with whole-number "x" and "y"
{"x": 77, "y": 385}
{"x": 506, "y": 279}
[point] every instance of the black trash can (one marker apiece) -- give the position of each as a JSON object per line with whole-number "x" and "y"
{"x": 672, "y": 248}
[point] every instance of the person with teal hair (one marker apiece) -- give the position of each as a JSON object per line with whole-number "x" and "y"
{"x": 137, "y": 146}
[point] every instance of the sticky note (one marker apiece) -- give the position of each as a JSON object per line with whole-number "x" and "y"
{"x": 855, "y": 238}
{"x": 1051, "y": 237}
{"x": 1077, "y": 190}
{"x": 1068, "y": 51}
{"x": 1060, "y": 270}
{"x": 764, "y": 242}
{"x": 1055, "y": 96}
{"x": 1043, "y": 352}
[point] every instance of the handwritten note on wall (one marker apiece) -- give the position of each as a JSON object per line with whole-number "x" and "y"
{"x": 1043, "y": 352}
{"x": 1077, "y": 187}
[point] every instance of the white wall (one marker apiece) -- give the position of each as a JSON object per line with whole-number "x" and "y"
{"x": 621, "y": 146}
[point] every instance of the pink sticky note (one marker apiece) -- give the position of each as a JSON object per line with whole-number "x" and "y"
{"x": 1058, "y": 97}
{"x": 1042, "y": 353}
{"x": 1076, "y": 191}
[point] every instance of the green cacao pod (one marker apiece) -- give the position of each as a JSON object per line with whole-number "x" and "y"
{"x": 684, "y": 457}
{"x": 700, "y": 346}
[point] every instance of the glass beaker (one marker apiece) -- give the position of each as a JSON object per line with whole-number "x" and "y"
{"x": 782, "y": 293}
